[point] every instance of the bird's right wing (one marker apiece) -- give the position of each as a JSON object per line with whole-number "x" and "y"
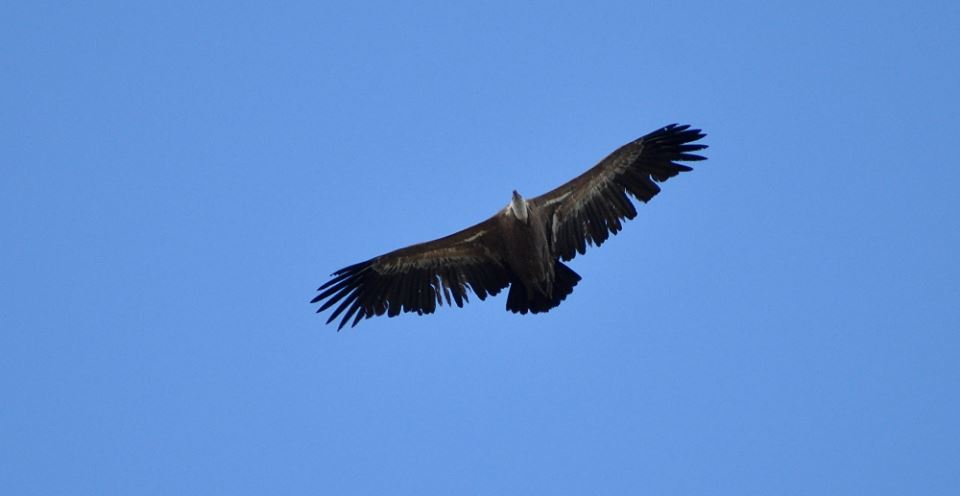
{"x": 419, "y": 277}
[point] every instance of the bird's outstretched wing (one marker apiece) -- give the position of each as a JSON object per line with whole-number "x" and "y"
{"x": 590, "y": 207}
{"x": 419, "y": 277}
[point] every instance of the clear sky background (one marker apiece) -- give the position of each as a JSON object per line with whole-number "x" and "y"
{"x": 177, "y": 179}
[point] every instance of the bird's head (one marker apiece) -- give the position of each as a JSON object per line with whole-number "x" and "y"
{"x": 518, "y": 207}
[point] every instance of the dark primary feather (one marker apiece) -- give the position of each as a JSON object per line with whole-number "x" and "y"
{"x": 586, "y": 210}
{"x": 418, "y": 278}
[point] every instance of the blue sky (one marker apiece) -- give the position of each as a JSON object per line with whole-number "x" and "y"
{"x": 178, "y": 179}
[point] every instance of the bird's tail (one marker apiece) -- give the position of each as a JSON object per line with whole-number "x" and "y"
{"x": 564, "y": 279}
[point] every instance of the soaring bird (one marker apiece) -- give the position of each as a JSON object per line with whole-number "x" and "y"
{"x": 522, "y": 246}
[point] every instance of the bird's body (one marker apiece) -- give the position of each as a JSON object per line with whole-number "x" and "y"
{"x": 522, "y": 246}
{"x": 526, "y": 246}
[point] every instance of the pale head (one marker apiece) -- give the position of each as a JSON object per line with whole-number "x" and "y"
{"x": 518, "y": 207}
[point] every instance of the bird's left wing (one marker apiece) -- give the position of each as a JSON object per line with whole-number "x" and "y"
{"x": 419, "y": 277}
{"x": 590, "y": 207}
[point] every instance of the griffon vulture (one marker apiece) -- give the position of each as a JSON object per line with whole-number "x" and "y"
{"x": 522, "y": 246}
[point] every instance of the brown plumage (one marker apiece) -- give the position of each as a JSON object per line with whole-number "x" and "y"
{"x": 522, "y": 246}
